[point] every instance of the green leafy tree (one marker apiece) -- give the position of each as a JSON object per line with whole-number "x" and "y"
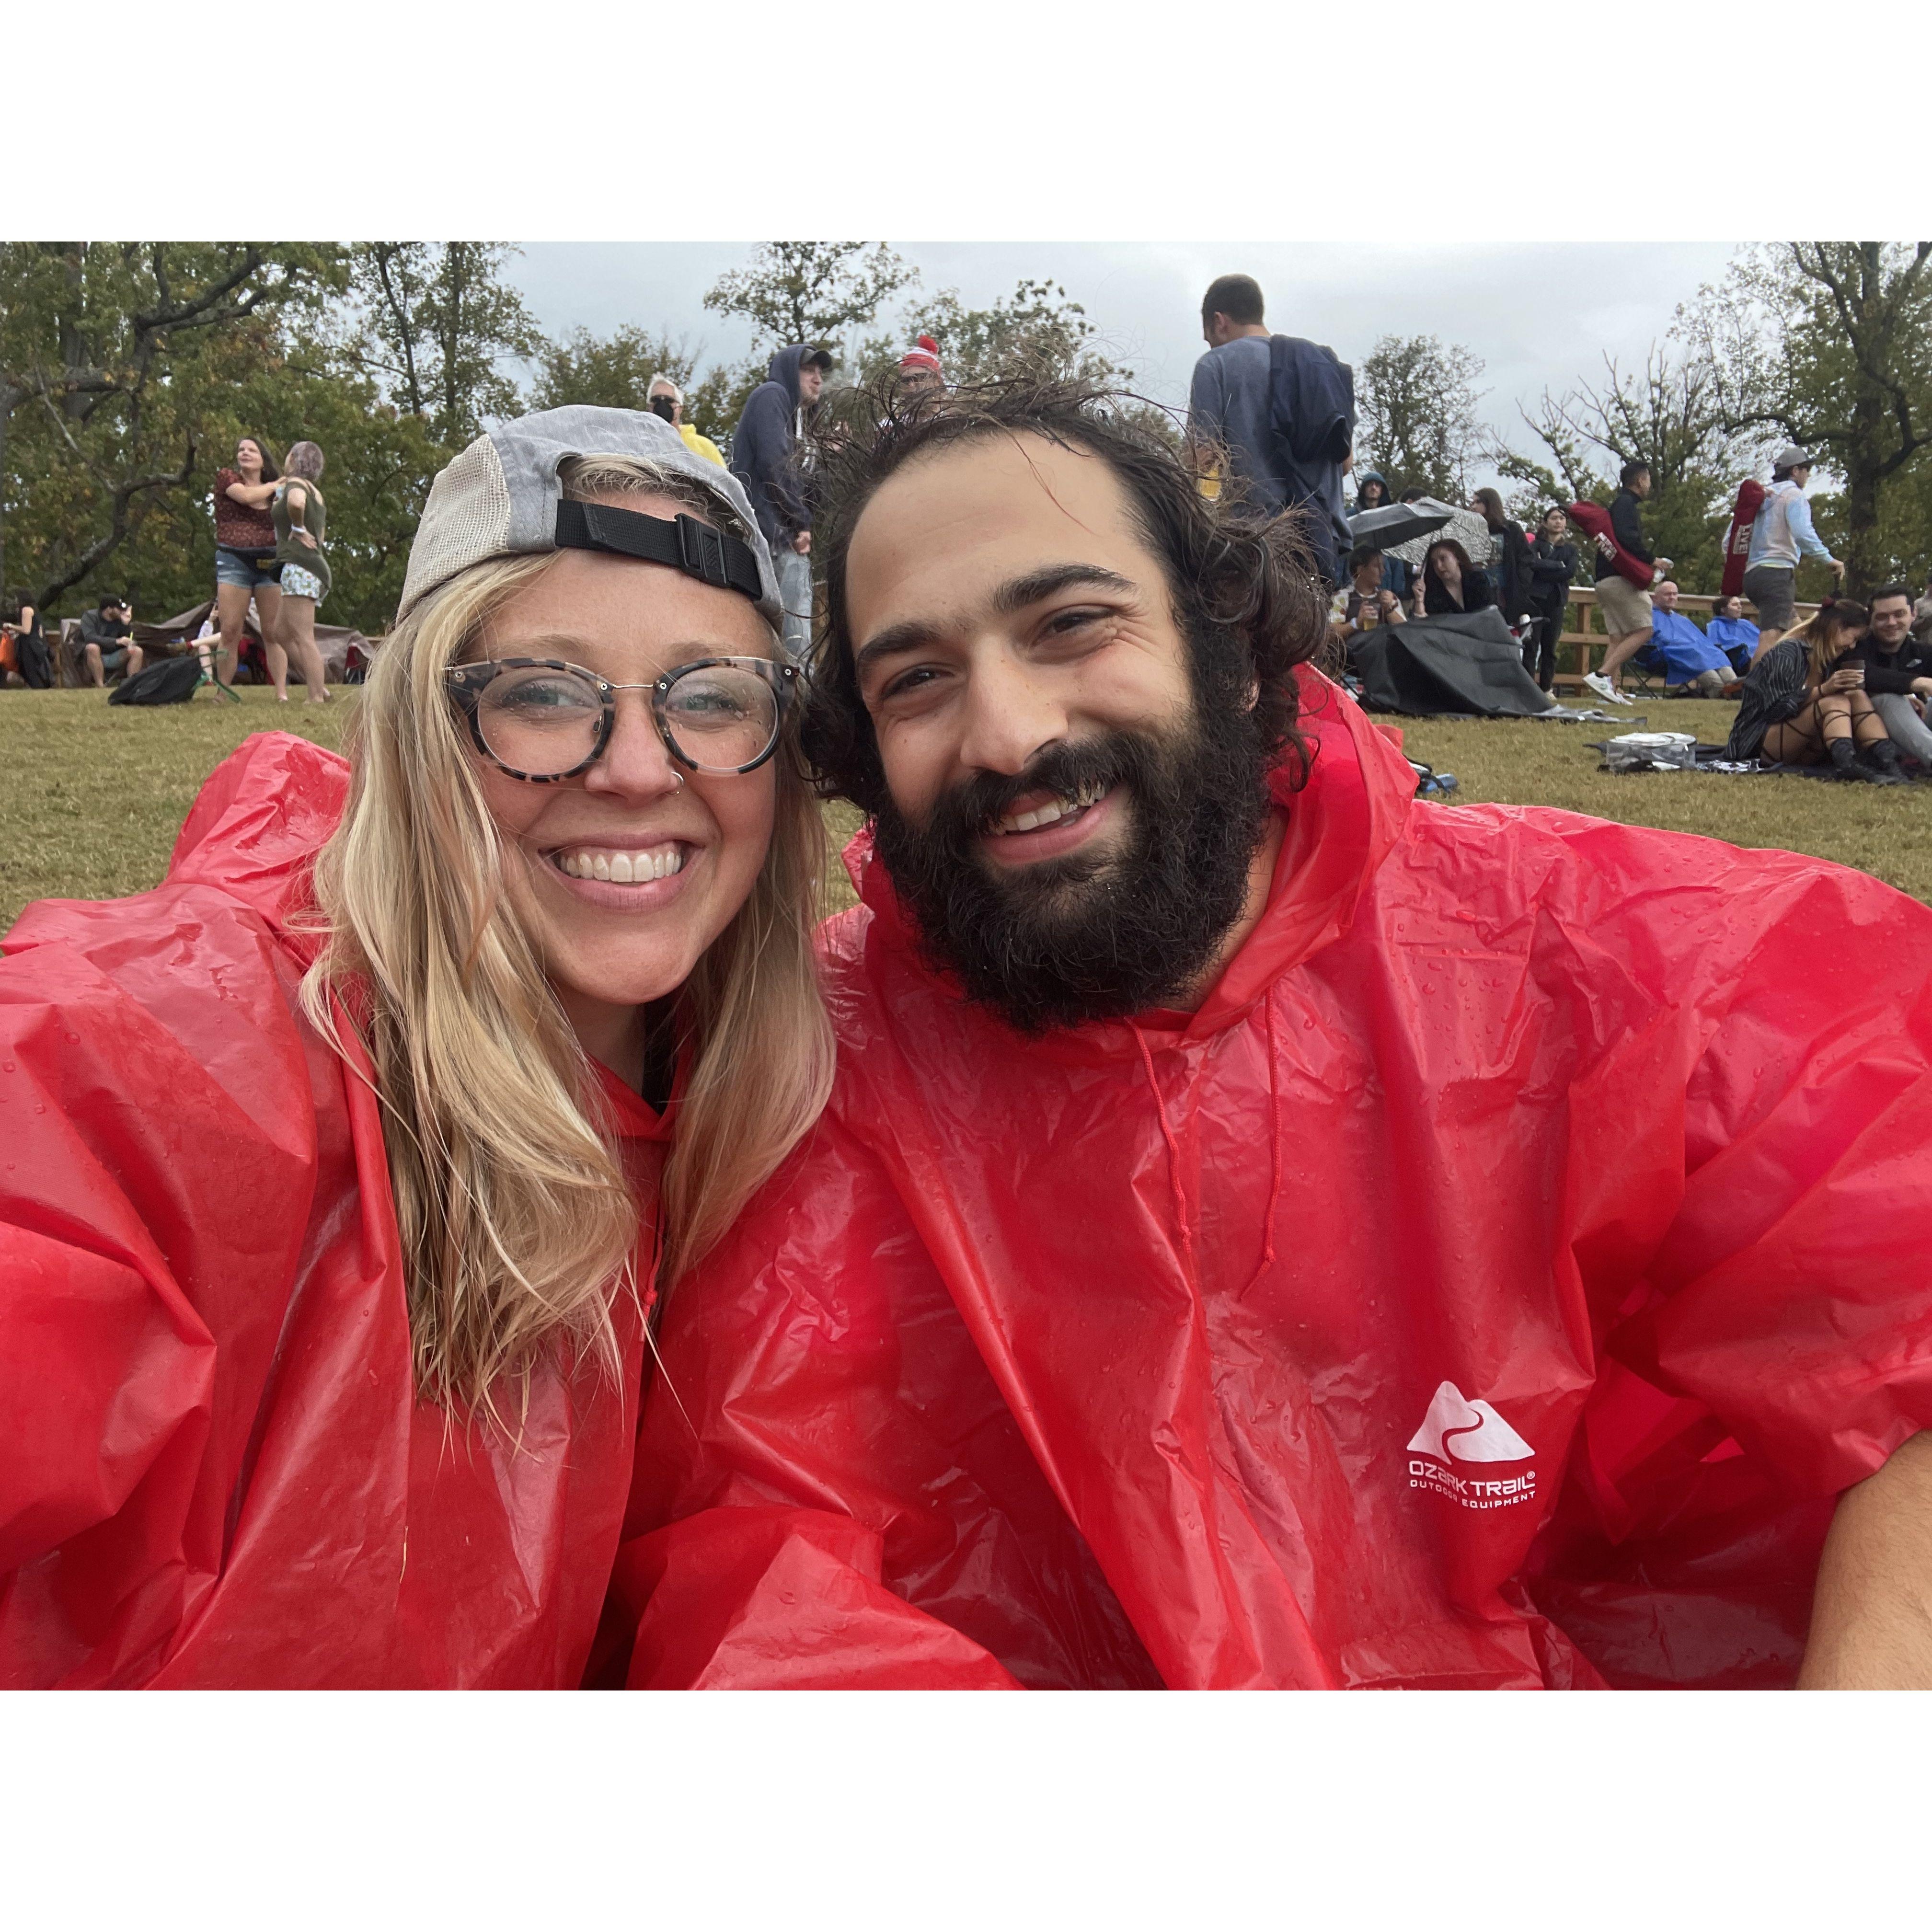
{"x": 437, "y": 320}
{"x": 1828, "y": 344}
{"x": 1666, "y": 416}
{"x": 1037, "y": 328}
{"x": 612, "y": 372}
{"x": 615, "y": 371}
{"x": 1415, "y": 403}
{"x": 812, "y": 291}
{"x": 1532, "y": 488}
{"x": 113, "y": 357}
{"x": 379, "y": 462}
{"x": 715, "y": 402}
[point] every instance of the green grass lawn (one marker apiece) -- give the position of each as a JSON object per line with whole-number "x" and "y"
{"x": 1881, "y": 830}
{"x": 95, "y": 794}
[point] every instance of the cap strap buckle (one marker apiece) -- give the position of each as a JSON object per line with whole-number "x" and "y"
{"x": 713, "y": 556}
{"x": 701, "y": 553}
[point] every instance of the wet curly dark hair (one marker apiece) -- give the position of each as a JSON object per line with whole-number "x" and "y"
{"x": 1244, "y": 589}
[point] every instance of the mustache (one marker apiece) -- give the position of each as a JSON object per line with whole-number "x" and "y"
{"x": 972, "y": 808}
{"x": 1086, "y": 935}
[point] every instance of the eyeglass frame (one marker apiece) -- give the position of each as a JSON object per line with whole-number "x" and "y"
{"x": 466, "y": 688}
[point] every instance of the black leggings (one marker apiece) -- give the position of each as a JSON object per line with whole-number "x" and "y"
{"x": 34, "y": 661}
{"x": 1539, "y": 651}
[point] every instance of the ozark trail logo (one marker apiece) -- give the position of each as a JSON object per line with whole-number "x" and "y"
{"x": 1458, "y": 1430}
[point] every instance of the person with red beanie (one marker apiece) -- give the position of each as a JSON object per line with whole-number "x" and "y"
{"x": 920, "y": 370}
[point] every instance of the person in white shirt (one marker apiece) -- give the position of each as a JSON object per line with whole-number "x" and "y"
{"x": 1781, "y": 535}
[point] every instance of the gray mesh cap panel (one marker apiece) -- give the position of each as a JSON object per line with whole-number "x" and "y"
{"x": 499, "y": 497}
{"x": 466, "y": 518}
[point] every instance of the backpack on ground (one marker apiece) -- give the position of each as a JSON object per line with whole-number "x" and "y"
{"x": 172, "y": 681}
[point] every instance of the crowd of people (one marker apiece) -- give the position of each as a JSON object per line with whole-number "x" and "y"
{"x": 1267, "y": 411}
{"x": 271, "y": 571}
{"x": 1272, "y": 417}
{"x": 1200, "y": 1219}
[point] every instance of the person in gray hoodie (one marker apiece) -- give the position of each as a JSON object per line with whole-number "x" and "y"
{"x": 764, "y": 458}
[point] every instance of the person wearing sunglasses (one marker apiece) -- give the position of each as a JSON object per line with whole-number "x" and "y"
{"x": 344, "y": 1169}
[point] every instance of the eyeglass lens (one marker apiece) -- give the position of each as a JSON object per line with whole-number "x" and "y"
{"x": 719, "y": 717}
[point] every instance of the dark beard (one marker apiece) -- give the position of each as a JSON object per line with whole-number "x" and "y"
{"x": 1086, "y": 937}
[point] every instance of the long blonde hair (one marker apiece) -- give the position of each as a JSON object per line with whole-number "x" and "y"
{"x": 516, "y": 1223}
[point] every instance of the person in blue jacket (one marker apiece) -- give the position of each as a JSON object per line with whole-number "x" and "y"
{"x": 1278, "y": 414}
{"x": 1733, "y": 632}
{"x": 764, "y": 458}
{"x": 1692, "y": 663}
{"x": 1372, "y": 493}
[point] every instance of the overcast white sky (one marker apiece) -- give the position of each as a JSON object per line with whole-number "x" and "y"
{"x": 1441, "y": 142}
{"x": 1538, "y": 314}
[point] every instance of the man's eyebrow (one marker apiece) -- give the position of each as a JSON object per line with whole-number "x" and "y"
{"x": 1015, "y": 594}
{"x": 1018, "y": 591}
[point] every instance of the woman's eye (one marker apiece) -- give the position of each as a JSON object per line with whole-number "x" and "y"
{"x": 538, "y": 697}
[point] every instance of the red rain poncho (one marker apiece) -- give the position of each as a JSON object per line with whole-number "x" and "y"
{"x": 214, "y": 1469}
{"x": 1492, "y": 1285}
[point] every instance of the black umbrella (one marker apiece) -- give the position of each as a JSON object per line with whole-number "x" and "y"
{"x": 1395, "y": 524}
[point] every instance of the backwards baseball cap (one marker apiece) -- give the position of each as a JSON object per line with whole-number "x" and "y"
{"x": 503, "y": 497}
{"x": 1791, "y": 458}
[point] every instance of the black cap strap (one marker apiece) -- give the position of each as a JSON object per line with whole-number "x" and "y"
{"x": 713, "y": 556}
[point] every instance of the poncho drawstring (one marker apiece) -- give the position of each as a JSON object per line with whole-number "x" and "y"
{"x": 1173, "y": 1151}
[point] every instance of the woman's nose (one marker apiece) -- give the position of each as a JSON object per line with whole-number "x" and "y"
{"x": 636, "y": 762}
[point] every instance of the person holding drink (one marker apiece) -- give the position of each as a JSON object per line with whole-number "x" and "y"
{"x": 1804, "y": 703}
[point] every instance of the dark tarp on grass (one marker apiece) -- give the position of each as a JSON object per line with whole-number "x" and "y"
{"x": 1467, "y": 665}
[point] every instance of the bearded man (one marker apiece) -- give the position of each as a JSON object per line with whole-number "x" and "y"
{"x": 1267, "y": 1231}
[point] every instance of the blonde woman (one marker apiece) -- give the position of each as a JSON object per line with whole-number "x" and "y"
{"x": 344, "y": 1168}
{"x": 300, "y": 518}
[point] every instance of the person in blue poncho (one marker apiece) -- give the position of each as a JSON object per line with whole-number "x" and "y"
{"x": 1733, "y": 632}
{"x": 1692, "y": 664}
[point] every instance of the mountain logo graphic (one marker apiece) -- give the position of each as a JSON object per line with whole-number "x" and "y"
{"x": 1469, "y": 1432}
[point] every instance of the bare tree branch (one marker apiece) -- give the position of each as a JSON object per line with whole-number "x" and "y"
{"x": 121, "y": 521}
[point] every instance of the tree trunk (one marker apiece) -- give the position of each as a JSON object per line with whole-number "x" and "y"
{"x": 456, "y": 266}
{"x": 1864, "y": 566}
{"x": 9, "y": 398}
{"x": 1865, "y": 452}
{"x": 76, "y": 351}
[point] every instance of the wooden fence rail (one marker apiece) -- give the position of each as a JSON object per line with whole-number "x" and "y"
{"x": 1581, "y": 647}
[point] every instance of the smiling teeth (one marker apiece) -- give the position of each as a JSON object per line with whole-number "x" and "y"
{"x": 623, "y": 868}
{"x": 1053, "y": 811}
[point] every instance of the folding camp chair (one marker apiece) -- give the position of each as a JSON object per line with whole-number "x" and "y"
{"x": 1646, "y": 671}
{"x": 205, "y": 655}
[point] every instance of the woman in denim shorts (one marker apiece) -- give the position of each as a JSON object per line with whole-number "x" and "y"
{"x": 300, "y": 515}
{"x": 245, "y": 547}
